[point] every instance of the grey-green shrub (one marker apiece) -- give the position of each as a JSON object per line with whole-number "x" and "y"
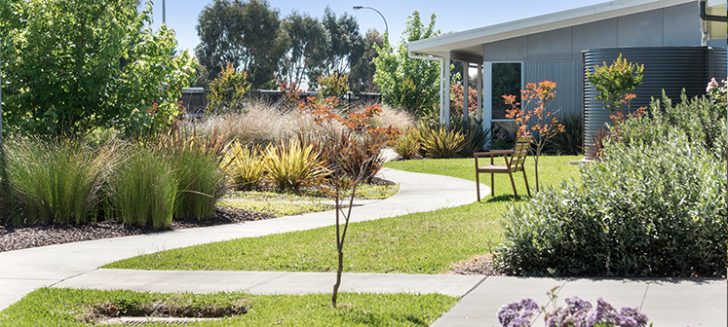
{"x": 144, "y": 189}
{"x": 200, "y": 183}
{"x": 644, "y": 210}
{"x": 56, "y": 182}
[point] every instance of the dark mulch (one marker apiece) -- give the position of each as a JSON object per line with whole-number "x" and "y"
{"x": 34, "y": 236}
{"x": 480, "y": 265}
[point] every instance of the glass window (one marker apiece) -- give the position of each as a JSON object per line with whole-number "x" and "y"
{"x": 506, "y": 80}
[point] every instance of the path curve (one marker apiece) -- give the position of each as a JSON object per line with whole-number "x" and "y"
{"x": 23, "y": 271}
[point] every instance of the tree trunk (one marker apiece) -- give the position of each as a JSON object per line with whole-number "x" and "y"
{"x": 339, "y": 270}
{"x": 538, "y": 187}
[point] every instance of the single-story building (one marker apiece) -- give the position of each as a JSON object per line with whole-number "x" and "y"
{"x": 553, "y": 46}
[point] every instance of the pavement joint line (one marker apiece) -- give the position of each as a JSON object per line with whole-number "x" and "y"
{"x": 267, "y": 281}
{"x": 474, "y": 287}
{"x": 551, "y": 299}
{"x": 70, "y": 277}
{"x": 644, "y": 297}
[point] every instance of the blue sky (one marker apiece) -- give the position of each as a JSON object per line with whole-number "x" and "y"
{"x": 452, "y": 16}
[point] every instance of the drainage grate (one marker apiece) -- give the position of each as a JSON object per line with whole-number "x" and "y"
{"x": 141, "y": 321}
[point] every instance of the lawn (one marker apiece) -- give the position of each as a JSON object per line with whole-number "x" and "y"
{"x": 289, "y": 204}
{"x": 68, "y": 307}
{"x": 429, "y": 242}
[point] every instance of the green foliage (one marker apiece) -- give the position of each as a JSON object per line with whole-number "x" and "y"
{"x": 70, "y": 66}
{"x": 144, "y": 190}
{"x": 438, "y": 142}
{"x": 408, "y": 145}
{"x": 475, "y": 137}
{"x": 200, "y": 182}
{"x": 412, "y": 84}
{"x": 344, "y": 45}
{"x": 571, "y": 140}
{"x": 246, "y": 34}
{"x": 56, "y": 182}
{"x": 615, "y": 82}
{"x": 305, "y": 40}
{"x": 361, "y": 78}
{"x": 656, "y": 210}
{"x": 333, "y": 86}
{"x": 292, "y": 165}
{"x": 244, "y": 165}
{"x": 228, "y": 90}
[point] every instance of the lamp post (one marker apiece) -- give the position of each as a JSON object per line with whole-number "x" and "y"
{"x": 386, "y": 26}
{"x": 164, "y": 12}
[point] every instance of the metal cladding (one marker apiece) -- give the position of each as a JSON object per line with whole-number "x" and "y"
{"x": 671, "y": 69}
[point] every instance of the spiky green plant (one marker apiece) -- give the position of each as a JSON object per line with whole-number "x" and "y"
{"x": 438, "y": 142}
{"x": 244, "y": 165}
{"x": 292, "y": 165}
{"x": 201, "y": 182}
{"x": 144, "y": 190}
{"x": 56, "y": 181}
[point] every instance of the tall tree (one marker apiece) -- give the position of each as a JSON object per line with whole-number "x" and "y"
{"x": 362, "y": 73}
{"x": 306, "y": 42}
{"x": 409, "y": 83}
{"x": 246, "y": 34}
{"x": 71, "y": 65}
{"x": 345, "y": 44}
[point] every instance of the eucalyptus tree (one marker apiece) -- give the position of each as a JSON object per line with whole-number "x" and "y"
{"x": 306, "y": 41}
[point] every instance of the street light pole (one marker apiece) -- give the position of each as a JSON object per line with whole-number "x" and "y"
{"x": 164, "y": 11}
{"x": 386, "y": 26}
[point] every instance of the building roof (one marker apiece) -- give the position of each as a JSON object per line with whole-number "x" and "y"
{"x": 470, "y": 41}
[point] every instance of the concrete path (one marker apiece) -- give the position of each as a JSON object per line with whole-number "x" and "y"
{"x": 666, "y": 302}
{"x": 269, "y": 282}
{"x": 22, "y": 271}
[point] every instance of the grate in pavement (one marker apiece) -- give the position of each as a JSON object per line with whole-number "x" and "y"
{"x": 141, "y": 321}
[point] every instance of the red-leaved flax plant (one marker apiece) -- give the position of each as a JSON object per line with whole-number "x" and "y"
{"x": 533, "y": 117}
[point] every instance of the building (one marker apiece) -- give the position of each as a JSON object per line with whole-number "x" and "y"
{"x": 550, "y": 47}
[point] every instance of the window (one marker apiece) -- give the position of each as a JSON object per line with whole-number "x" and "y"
{"x": 506, "y": 80}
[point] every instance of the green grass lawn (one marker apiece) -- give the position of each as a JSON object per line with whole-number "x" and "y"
{"x": 417, "y": 243}
{"x": 68, "y": 307}
{"x": 288, "y": 204}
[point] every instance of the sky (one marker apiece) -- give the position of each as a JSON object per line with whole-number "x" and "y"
{"x": 452, "y": 15}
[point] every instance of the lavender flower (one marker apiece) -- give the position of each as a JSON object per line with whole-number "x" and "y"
{"x": 517, "y": 314}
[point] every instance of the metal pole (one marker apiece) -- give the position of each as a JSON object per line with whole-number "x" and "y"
{"x": 164, "y": 11}
{"x": 386, "y": 26}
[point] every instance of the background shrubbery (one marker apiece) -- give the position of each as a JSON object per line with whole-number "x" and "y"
{"x": 654, "y": 205}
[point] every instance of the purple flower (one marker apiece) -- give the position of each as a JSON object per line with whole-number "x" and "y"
{"x": 517, "y": 314}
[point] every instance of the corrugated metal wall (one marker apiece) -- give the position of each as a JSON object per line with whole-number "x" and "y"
{"x": 569, "y": 87}
{"x": 671, "y": 69}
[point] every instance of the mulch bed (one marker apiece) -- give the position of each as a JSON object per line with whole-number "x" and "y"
{"x": 34, "y": 236}
{"x": 480, "y": 265}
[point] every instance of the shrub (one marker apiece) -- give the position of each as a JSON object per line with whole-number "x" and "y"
{"x": 571, "y": 140}
{"x": 616, "y": 82}
{"x": 56, "y": 182}
{"x": 438, "y": 142}
{"x": 395, "y": 118}
{"x": 200, "y": 180}
{"x": 292, "y": 165}
{"x": 144, "y": 190}
{"x": 228, "y": 90}
{"x": 408, "y": 145}
{"x": 577, "y": 313}
{"x": 244, "y": 165}
{"x": 334, "y": 85}
{"x": 644, "y": 210}
{"x": 475, "y": 136}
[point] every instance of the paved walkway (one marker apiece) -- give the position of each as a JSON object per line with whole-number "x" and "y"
{"x": 22, "y": 271}
{"x": 666, "y": 302}
{"x": 269, "y": 282}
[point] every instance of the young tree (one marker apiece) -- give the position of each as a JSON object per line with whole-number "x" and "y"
{"x": 71, "y": 65}
{"x": 246, "y": 34}
{"x": 615, "y": 83}
{"x": 345, "y": 44}
{"x": 533, "y": 117}
{"x": 409, "y": 83}
{"x": 361, "y": 78}
{"x": 228, "y": 90}
{"x": 306, "y": 41}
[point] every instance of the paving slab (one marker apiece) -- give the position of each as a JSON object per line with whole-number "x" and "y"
{"x": 666, "y": 302}
{"x": 22, "y": 269}
{"x": 267, "y": 282}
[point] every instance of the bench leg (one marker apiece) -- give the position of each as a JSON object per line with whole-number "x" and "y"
{"x": 525, "y": 179}
{"x": 513, "y": 184}
{"x": 492, "y": 185}
{"x": 477, "y": 184}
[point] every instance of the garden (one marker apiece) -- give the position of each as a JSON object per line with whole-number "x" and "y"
{"x": 114, "y": 154}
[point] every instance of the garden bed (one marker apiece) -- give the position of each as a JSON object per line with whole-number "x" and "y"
{"x": 35, "y": 236}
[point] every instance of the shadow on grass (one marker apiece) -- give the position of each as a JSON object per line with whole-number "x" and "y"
{"x": 507, "y": 198}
